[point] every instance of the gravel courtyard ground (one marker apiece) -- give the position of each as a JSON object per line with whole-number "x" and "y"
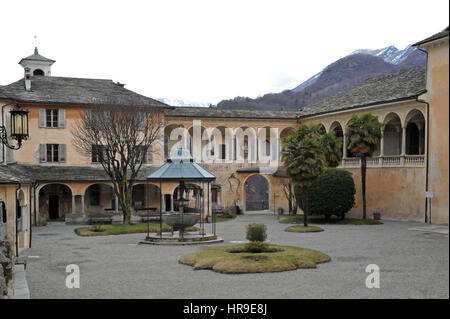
{"x": 413, "y": 264}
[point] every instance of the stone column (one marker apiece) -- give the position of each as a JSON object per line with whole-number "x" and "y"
{"x": 73, "y": 205}
{"x": 116, "y": 203}
{"x": 82, "y": 206}
{"x": 403, "y": 153}
{"x": 381, "y": 148}
{"x": 344, "y": 148}
{"x": 163, "y": 203}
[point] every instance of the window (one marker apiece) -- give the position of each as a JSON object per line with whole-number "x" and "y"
{"x": 3, "y": 212}
{"x": 52, "y": 153}
{"x": 38, "y": 72}
{"x": 97, "y": 153}
{"x": 146, "y": 153}
{"x": 222, "y": 151}
{"x": 51, "y": 117}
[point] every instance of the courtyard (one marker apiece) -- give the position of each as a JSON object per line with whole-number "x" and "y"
{"x": 413, "y": 264}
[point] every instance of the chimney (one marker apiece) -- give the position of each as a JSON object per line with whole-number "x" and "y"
{"x": 27, "y": 79}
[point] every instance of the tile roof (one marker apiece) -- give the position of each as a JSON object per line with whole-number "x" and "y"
{"x": 217, "y": 112}
{"x": 391, "y": 87}
{"x": 444, "y": 33}
{"x": 27, "y": 173}
{"x": 75, "y": 91}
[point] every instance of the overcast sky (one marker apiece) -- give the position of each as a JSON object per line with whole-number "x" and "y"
{"x": 206, "y": 51}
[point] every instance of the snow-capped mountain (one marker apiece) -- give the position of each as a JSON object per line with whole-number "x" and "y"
{"x": 337, "y": 76}
{"x": 178, "y": 102}
{"x": 389, "y": 54}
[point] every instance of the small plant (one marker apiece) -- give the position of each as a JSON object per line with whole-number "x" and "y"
{"x": 97, "y": 228}
{"x": 254, "y": 247}
{"x": 256, "y": 232}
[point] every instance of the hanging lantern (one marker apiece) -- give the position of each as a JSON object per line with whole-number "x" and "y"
{"x": 19, "y": 128}
{"x": 19, "y": 124}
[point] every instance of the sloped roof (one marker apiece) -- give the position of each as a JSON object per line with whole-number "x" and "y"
{"x": 181, "y": 171}
{"x": 9, "y": 175}
{"x": 444, "y": 33}
{"x": 217, "y": 112}
{"x": 27, "y": 173}
{"x": 391, "y": 87}
{"x": 76, "y": 91}
{"x": 37, "y": 57}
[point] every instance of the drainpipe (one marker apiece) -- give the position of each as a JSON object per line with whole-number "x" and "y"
{"x": 17, "y": 234}
{"x": 427, "y": 155}
{"x": 35, "y": 186}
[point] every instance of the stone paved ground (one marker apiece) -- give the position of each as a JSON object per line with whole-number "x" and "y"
{"x": 413, "y": 264}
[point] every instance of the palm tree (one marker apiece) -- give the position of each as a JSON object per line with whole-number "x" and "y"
{"x": 303, "y": 158}
{"x": 363, "y": 137}
{"x": 332, "y": 148}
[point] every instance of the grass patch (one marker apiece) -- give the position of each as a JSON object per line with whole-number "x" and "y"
{"x": 303, "y": 229}
{"x": 118, "y": 229}
{"x": 221, "y": 218}
{"x": 298, "y": 219}
{"x": 227, "y": 260}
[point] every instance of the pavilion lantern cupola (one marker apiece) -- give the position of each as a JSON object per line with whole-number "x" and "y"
{"x": 35, "y": 65}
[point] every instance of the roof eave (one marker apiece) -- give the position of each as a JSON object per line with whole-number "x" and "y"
{"x": 412, "y": 97}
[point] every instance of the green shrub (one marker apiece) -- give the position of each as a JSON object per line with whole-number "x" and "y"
{"x": 332, "y": 194}
{"x": 256, "y": 232}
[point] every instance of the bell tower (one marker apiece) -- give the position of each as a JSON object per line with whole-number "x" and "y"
{"x": 36, "y": 64}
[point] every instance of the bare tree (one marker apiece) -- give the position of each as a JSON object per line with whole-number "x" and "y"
{"x": 119, "y": 138}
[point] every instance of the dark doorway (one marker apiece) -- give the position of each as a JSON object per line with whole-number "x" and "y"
{"x": 256, "y": 193}
{"x": 168, "y": 202}
{"x": 53, "y": 206}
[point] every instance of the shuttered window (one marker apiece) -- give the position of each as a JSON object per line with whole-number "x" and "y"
{"x": 97, "y": 153}
{"x": 52, "y": 118}
{"x": 52, "y": 153}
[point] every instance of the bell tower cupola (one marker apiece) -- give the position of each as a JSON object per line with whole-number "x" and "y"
{"x": 36, "y": 64}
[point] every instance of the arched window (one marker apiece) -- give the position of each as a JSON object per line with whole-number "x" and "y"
{"x": 38, "y": 72}
{"x": 392, "y": 135}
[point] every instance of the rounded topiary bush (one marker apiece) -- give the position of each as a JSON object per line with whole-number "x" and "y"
{"x": 332, "y": 194}
{"x": 256, "y": 232}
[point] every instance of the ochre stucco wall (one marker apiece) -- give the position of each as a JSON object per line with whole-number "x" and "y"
{"x": 29, "y": 153}
{"x": 438, "y": 98}
{"x": 397, "y": 193}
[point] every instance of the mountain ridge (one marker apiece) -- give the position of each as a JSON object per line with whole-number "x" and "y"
{"x": 342, "y": 74}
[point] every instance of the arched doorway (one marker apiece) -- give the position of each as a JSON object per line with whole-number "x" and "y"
{"x": 98, "y": 198}
{"x": 55, "y": 201}
{"x": 256, "y": 193}
{"x": 145, "y": 195}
